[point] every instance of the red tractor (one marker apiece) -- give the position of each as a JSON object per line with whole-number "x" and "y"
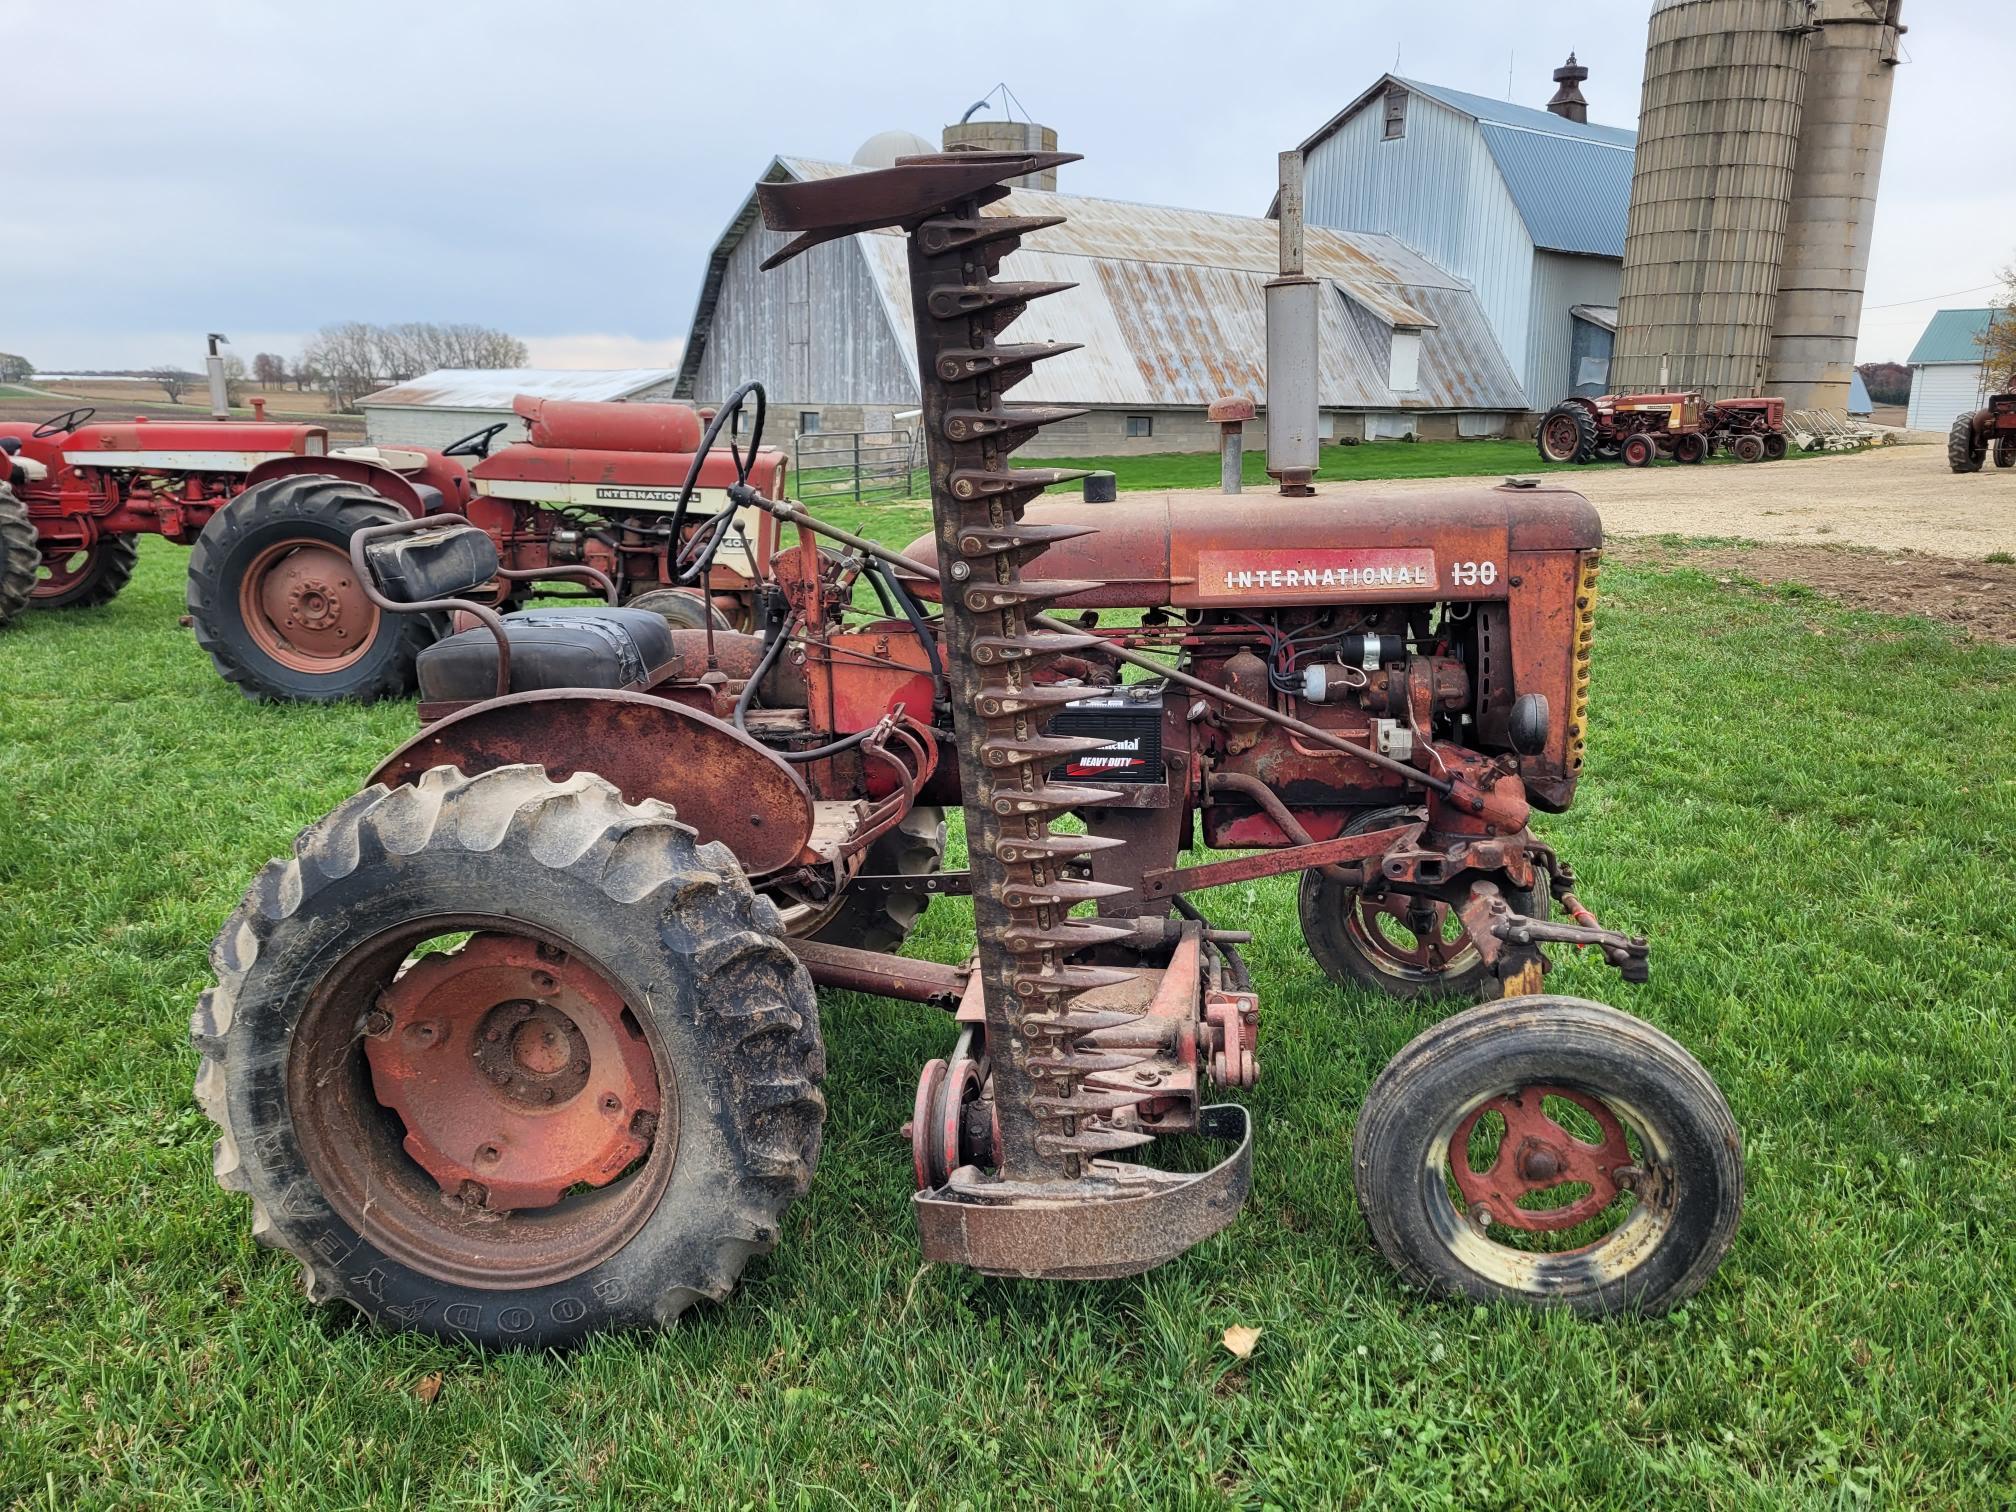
{"x": 521, "y": 1041}
{"x": 1977, "y": 432}
{"x": 1638, "y": 429}
{"x": 269, "y": 509}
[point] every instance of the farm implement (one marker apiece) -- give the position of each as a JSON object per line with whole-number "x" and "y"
{"x": 523, "y": 1040}
{"x": 269, "y": 510}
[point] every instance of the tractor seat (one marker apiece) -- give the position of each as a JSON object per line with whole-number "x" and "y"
{"x": 602, "y": 647}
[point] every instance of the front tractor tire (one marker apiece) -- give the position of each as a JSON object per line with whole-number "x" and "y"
{"x": 1567, "y": 434}
{"x": 274, "y": 600}
{"x": 1551, "y": 1152}
{"x": 89, "y": 578}
{"x": 870, "y": 919}
{"x": 1964, "y": 454}
{"x": 508, "y": 1060}
{"x": 20, "y": 556}
{"x": 2005, "y": 451}
{"x": 1394, "y": 944}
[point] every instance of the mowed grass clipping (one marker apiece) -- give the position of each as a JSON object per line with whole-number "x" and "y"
{"x": 1810, "y": 811}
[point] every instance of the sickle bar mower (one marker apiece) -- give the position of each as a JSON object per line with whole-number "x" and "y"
{"x": 559, "y": 1069}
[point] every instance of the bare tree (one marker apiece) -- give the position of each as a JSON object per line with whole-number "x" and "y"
{"x": 1998, "y": 342}
{"x": 269, "y": 370}
{"x": 346, "y": 354}
{"x": 173, "y": 381}
{"x": 234, "y": 377}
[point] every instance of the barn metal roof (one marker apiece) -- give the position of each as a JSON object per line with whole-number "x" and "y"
{"x": 495, "y": 388}
{"x": 1571, "y": 180}
{"x": 1952, "y": 336}
{"x": 1170, "y": 306}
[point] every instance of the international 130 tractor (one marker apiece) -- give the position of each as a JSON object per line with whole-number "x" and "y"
{"x": 522, "y": 1040}
{"x": 1638, "y": 429}
{"x": 270, "y": 508}
{"x": 1978, "y": 432}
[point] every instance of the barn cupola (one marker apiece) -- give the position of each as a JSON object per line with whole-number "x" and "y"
{"x": 1568, "y": 102}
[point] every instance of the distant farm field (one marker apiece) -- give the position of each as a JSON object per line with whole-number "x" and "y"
{"x": 1809, "y": 809}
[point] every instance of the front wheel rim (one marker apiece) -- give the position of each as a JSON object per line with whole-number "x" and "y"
{"x": 1516, "y": 1223}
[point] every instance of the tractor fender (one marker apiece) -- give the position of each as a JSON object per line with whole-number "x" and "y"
{"x": 721, "y": 782}
{"x": 394, "y": 488}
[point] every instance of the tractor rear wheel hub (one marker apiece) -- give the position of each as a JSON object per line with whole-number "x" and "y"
{"x": 514, "y": 1067}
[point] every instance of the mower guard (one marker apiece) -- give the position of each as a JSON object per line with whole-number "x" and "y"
{"x": 1117, "y": 1220}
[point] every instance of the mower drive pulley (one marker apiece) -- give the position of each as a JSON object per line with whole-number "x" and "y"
{"x": 516, "y": 1070}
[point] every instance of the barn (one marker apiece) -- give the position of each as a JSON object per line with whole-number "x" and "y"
{"x": 1948, "y": 377}
{"x": 1168, "y": 306}
{"x": 444, "y": 406}
{"x": 1526, "y": 205}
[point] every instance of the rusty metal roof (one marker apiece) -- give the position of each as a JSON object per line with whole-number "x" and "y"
{"x": 1170, "y": 306}
{"x": 495, "y": 388}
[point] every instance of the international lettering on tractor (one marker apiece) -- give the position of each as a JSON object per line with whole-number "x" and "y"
{"x": 268, "y": 510}
{"x": 523, "y": 1040}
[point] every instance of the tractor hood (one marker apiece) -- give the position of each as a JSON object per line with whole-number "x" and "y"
{"x": 1253, "y": 550}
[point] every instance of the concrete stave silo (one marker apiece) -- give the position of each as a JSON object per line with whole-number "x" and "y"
{"x": 1718, "y": 142}
{"x": 1849, "y": 68}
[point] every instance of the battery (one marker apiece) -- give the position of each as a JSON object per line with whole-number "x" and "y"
{"x": 1131, "y": 724}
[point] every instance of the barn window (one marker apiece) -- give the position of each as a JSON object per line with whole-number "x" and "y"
{"x": 1396, "y": 114}
{"x": 1140, "y": 425}
{"x": 808, "y": 422}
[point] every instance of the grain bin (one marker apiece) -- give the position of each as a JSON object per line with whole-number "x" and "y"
{"x": 1718, "y": 143}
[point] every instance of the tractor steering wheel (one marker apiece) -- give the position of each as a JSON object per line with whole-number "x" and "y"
{"x": 69, "y": 420}
{"x": 476, "y": 444}
{"x": 744, "y": 465}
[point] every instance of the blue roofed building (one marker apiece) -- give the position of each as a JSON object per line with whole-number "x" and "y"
{"x": 1525, "y": 205}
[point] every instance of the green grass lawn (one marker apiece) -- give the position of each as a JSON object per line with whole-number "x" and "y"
{"x": 1810, "y": 810}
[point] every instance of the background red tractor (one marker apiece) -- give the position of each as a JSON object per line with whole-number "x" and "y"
{"x": 269, "y": 509}
{"x": 1977, "y": 432}
{"x": 1638, "y": 429}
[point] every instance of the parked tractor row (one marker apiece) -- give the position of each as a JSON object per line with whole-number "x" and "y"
{"x": 1638, "y": 429}
{"x": 268, "y": 510}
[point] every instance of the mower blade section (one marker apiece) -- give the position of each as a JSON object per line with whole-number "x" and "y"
{"x": 1119, "y": 1220}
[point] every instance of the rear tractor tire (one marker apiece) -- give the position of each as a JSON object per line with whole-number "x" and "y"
{"x": 274, "y": 599}
{"x": 588, "y": 1114}
{"x": 20, "y": 555}
{"x": 1391, "y": 943}
{"x": 1551, "y": 1152}
{"x": 1567, "y": 434}
{"x": 87, "y": 579}
{"x": 1963, "y": 454}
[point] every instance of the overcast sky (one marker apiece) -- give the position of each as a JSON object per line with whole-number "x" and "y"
{"x": 560, "y": 169}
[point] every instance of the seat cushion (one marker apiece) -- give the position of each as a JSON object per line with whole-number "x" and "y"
{"x": 550, "y": 648}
